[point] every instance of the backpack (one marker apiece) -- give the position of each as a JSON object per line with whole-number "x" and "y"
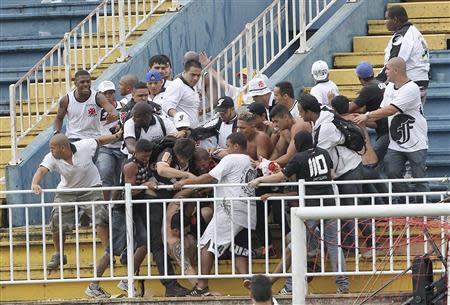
{"x": 137, "y": 130}
{"x": 353, "y": 135}
{"x": 160, "y": 146}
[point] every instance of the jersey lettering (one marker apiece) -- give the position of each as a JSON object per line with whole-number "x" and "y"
{"x": 317, "y": 166}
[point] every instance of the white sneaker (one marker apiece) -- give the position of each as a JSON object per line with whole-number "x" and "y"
{"x": 123, "y": 285}
{"x": 95, "y": 291}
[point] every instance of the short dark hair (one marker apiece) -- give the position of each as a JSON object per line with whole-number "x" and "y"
{"x": 286, "y": 88}
{"x": 175, "y": 223}
{"x": 279, "y": 111}
{"x": 184, "y": 147}
{"x": 309, "y": 103}
{"x": 159, "y": 59}
{"x": 200, "y": 154}
{"x": 261, "y": 288}
{"x": 82, "y": 73}
{"x": 192, "y": 63}
{"x": 303, "y": 140}
{"x": 140, "y": 85}
{"x": 399, "y": 12}
{"x": 142, "y": 109}
{"x": 143, "y": 145}
{"x": 239, "y": 139}
{"x": 340, "y": 104}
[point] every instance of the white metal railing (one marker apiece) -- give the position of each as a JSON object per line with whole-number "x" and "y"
{"x": 102, "y": 33}
{"x": 34, "y": 266}
{"x": 260, "y": 44}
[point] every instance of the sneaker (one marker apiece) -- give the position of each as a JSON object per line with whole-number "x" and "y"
{"x": 95, "y": 291}
{"x": 54, "y": 261}
{"x": 198, "y": 292}
{"x": 177, "y": 290}
{"x": 123, "y": 285}
{"x": 342, "y": 290}
{"x": 285, "y": 291}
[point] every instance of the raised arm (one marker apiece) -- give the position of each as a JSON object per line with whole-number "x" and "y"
{"x": 62, "y": 111}
{"x": 101, "y": 101}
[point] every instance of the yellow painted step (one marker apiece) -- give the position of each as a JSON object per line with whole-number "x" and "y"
{"x": 425, "y": 26}
{"x": 5, "y": 155}
{"x": 77, "y": 56}
{"x": 143, "y": 6}
{"x": 51, "y": 93}
{"x": 5, "y": 141}
{"x": 109, "y": 39}
{"x": 351, "y": 60}
{"x": 346, "y": 76}
{"x": 427, "y": 9}
{"x": 379, "y": 43}
{"x": 44, "y": 123}
{"x": 107, "y": 23}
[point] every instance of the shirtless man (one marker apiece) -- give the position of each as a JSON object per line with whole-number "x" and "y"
{"x": 288, "y": 127}
{"x": 258, "y": 142}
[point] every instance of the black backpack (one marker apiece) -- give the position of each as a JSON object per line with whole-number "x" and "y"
{"x": 353, "y": 135}
{"x": 137, "y": 130}
{"x": 160, "y": 146}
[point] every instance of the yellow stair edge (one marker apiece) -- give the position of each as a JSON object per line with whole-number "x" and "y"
{"x": 379, "y": 43}
{"x": 427, "y": 9}
{"x": 425, "y": 26}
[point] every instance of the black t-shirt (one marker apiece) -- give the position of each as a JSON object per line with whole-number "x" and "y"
{"x": 371, "y": 96}
{"x": 312, "y": 165}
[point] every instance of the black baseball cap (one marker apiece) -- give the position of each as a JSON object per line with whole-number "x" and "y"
{"x": 257, "y": 108}
{"x": 224, "y": 103}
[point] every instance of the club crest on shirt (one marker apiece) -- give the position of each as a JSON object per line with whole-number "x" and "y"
{"x": 400, "y": 128}
{"x": 91, "y": 111}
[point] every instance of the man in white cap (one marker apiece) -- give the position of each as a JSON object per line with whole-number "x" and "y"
{"x": 258, "y": 90}
{"x": 110, "y": 158}
{"x": 182, "y": 124}
{"x": 325, "y": 89}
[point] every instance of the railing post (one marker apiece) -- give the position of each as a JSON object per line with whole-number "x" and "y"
{"x": 67, "y": 64}
{"x": 249, "y": 50}
{"x": 299, "y": 264}
{"x": 122, "y": 38}
{"x": 448, "y": 262}
{"x": 12, "y": 111}
{"x": 302, "y": 27}
{"x": 130, "y": 240}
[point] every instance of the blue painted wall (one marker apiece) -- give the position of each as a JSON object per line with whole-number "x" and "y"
{"x": 212, "y": 25}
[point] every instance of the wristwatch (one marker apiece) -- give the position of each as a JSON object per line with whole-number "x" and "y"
{"x": 367, "y": 114}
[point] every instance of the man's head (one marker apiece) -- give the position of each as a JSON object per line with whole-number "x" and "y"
{"x": 202, "y": 160}
{"x": 175, "y": 224}
{"x": 225, "y": 108}
{"x": 320, "y": 71}
{"x": 184, "y": 149}
{"x": 258, "y": 90}
{"x": 261, "y": 290}
{"x": 243, "y": 74}
{"x": 259, "y": 111}
{"x": 246, "y": 124}
{"x": 143, "y": 150}
{"x": 192, "y": 72}
{"x": 396, "y": 69}
{"x": 340, "y": 104}
{"x": 59, "y": 146}
{"x": 303, "y": 141}
{"x": 396, "y": 16}
{"x": 364, "y": 71}
{"x": 182, "y": 121}
{"x": 162, "y": 64}
{"x": 140, "y": 92}
{"x": 142, "y": 115}
{"x": 108, "y": 89}
{"x": 190, "y": 55}
{"x": 127, "y": 83}
{"x": 309, "y": 107}
{"x": 283, "y": 93}
{"x": 236, "y": 143}
{"x": 83, "y": 82}
{"x": 154, "y": 82}
{"x": 281, "y": 117}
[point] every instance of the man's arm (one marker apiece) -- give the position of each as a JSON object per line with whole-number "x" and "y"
{"x": 62, "y": 111}
{"x": 37, "y": 178}
{"x": 278, "y": 177}
{"x": 284, "y": 159}
{"x": 130, "y": 143}
{"x": 164, "y": 170}
{"x": 101, "y": 101}
{"x": 130, "y": 171}
{"x": 264, "y": 146}
{"x": 172, "y": 97}
{"x": 110, "y": 138}
{"x": 281, "y": 146}
{"x": 203, "y": 179}
{"x": 377, "y": 114}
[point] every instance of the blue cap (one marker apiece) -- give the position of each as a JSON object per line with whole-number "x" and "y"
{"x": 364, "y": 70}
{"x": 153, "y": 76}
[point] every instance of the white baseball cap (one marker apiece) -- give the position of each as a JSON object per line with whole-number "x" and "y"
{"x": 257, "y": 86}
{"x": 319, "y": 70}
{"x": 106, "y": 85}
{"x": 181, "y": 120}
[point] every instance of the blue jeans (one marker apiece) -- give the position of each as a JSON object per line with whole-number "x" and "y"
{"x": 109, "y": 164}
{"x": 395, "y": 169}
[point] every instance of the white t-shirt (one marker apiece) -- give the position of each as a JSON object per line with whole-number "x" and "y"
{"x": 407, "y": 128}
{"x": 320, "y": 91}
{"x": 83, "y": 118}
{"x": 154, "y": 132}
{"x": 182, "y": 97}
{"x": 104, "y": 128}
{"x": 83, "y": 172}
{"x": 225, "y": 130}
{"x": 126, "y": 99}
{"x": 294, "y": 110}
{"x": 236, "y": 168}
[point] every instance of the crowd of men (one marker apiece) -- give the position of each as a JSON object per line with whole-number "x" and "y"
{"x": 154, "y": 136}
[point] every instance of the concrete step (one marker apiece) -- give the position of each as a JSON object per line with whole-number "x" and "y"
{"x": 107, "y": 22}
{"x": 346, "y": 76}
{"x": 379, "y": 43}
{"x": 5, "y": 122}
{"x": 425, "y": 26}
{"x": 426, "y": 9}
{"x": 351, "y": 60}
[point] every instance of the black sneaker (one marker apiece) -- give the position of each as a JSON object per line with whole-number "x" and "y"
{"x": 198, "y": 292}
{"x": 177, "y": 291}
{"x": 54, "y": 261}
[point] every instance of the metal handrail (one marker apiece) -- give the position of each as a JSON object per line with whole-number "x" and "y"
{"x": 60, "y": 55}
